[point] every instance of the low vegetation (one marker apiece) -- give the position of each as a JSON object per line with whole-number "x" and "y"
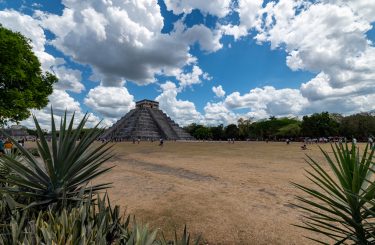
{"x": 49, "y": 200}
{"x": 341, "y": 205}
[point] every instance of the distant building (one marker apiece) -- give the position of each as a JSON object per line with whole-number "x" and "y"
{"x": 146, "y": 122}
{"x": 16, "y": 131}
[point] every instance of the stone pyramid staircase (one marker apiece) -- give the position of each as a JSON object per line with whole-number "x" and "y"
{"x": 146, "y": 123}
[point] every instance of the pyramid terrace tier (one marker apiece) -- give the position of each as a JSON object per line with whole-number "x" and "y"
{"x": 145, "y": 122}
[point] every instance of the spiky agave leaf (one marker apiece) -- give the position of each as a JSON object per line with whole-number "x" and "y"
{"x": 184, "y": 240}
{"x": 90, "y": 221}
{"x": 338, "y": 204}
{"x": 4, "y": 170}
{"x": 66, "y": 165}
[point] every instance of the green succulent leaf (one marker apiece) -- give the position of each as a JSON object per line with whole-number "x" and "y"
{"x": 341, "y": 200}
{"x": 66, "y": 165}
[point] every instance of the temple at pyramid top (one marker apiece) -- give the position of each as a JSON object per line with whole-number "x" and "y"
{"x": 146, "y": 122}
{"x": 147, "y": 103}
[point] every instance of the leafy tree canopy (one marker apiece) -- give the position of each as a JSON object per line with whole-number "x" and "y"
{"x": 23, "y": 86}
{"x": 361, "y": 125}
{"x": 319, "y": 124}
{"x": 231, "y": 131}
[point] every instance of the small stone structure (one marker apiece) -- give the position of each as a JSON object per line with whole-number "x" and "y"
{"x": 146, "y": 122}
{"x": 16, "y": 131}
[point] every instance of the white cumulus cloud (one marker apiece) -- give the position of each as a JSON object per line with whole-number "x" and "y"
{"x": 112, "y": 102}
{"x": 219, "y": 8}
{"x": 219, "y": 91}
{"x": 182, "y": 111}
{"x": 122, "y": 40}
{"x": 268, "y": 101}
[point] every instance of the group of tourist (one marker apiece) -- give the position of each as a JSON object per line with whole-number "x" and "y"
{"x": 134, "y": 140}
{"x": 340, "y": 141}
{"x": 6, "y": 146}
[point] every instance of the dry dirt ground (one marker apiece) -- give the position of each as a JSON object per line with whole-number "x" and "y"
{"x": 231, "y": 193}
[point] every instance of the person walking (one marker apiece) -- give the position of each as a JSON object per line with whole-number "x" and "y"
{"x": 1, "y": 147}
{"x": 8, "y": 145}
{"x": 371, "y": 142}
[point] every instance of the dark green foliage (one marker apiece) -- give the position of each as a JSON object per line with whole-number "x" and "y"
{"x": 341, "y": 206}
{"x": 32, "y": 132}
{"x": 203, "y": 133}
{"x": 360, "y": 125}
{"x": 184, "y": 240}
{"x": 274, "y": 127}
{"x": 244, "y": 128}
{"x": 269, "y": 129}
{"x": 23, "y": 86}
{"x": 199, "y": 132}
{"x": 290, "y": 130}
{"x": 90, "y": 221}
{"x": 231, "y": 131}
{"x": 319, "y": 124}
{"x": 34, "y": 152}
{"x": 217, "y": 132}
{"x": 66, "y": 167}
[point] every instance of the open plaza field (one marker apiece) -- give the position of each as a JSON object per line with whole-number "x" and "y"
{"x": 233, "y": 193}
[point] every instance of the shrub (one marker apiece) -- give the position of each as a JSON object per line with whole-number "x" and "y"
{"x": 50, "y": 202}
{"x": 92, "y": 221}
{"x": 67, "y": 165}
{"x": 34, "y": 152}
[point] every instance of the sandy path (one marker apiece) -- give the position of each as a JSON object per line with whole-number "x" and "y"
{"x": 233, "y": 193}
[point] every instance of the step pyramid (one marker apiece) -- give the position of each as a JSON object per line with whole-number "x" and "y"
{"x": 146, "y": 122}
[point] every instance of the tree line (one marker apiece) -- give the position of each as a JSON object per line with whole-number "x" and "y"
{"x": 325, "y": 124}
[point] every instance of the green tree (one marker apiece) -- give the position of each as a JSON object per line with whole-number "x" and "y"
{"x": 290, "y": 130}
{"x": 231, "y": 131}
{"x": 244, "y": 127}
{"x": 191, "y": 128}
{"x": 361, "y": 125}
{"x": 203, "y": 133}
{"x": 217, "y": 132}
{"x": 319, "y": 124}
{"x": 274, "y": 127}
{"x": 23, "y": 86}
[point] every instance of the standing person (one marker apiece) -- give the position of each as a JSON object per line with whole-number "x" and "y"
{"x": 161, "y": 143}
{"x": 1, "y": 147}
{"x": 138, "y": 140}
{"x": 370, "y": 141}
{"x": 8, "y": 147}
{"x": 354, "y": 141}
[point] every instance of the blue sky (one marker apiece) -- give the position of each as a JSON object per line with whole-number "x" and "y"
{"x": 205, "y": 62}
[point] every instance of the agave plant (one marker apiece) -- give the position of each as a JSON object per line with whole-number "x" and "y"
{"x": 341, "y": 204}
{"x": 4, "y": 170}
{"x": 92, "y": 221}
{"x": 67, "y": 164}
{"x": 184, "y": 240}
